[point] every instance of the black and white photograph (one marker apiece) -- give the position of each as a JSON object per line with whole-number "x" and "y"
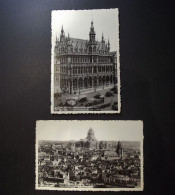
{"x": 85, "y": 61}
{"x": 89, "y": 155}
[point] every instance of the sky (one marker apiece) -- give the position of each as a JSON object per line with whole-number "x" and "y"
{"x": 77, "y": 23}
{"x": 64, "y": 130}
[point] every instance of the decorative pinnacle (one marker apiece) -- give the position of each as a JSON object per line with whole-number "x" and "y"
{"x": 102, "y": 36}
{"x": 62, "y": 29}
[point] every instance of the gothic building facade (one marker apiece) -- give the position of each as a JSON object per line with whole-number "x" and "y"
{"x": 81, "y": 65}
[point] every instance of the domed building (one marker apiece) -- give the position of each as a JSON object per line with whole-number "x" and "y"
{"x": 89, "y": 142}
{"x": 90, "y": 135}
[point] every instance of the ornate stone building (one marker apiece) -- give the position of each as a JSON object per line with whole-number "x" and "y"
{"x": 89, "y": 142}
{"x": 83, "y": 65}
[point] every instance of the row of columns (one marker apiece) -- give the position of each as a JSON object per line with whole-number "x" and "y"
{"x": 99, "y": 81}
{"x": 91, "y": 83}
{"x": 83, "y": 70}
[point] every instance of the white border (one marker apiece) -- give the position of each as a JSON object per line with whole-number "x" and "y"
{"x": 118, "y": 79}
{"x": 89, "y": 189}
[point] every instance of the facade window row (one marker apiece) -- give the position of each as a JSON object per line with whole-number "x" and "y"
{"x": 90, "y": 82}
{"x": 90, "y": 69}
{"x": 85, "y": 60}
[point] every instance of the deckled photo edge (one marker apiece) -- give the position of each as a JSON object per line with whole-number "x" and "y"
{"x": 118, "y": 73}
{"x": 141, "y": 188}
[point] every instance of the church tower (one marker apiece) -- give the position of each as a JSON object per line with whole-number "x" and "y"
{"x": 119, "y": 149}
{"x": 92, "y": 34}
{"x": 92, "y": 42}
{"x": 62, "y": 35}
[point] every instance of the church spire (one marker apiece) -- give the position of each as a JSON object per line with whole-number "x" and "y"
{"x": 92, "y": 33}
{"x": 108, "y": 42}
{"x": 102, "y": 38}
{"x": 108, "y": 45}
{"x": 68, "y": 37}
{"x": 92, "y": 24}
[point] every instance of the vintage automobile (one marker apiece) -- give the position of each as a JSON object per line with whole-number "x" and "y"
{"x": 82, "y": 98}
{"x": 114, "y": 89}
{"x": 91, "y": 102}
{"x": 115, "y": 106}
{"x": 109, "y": 94}
{"x": 71, "y": 101}
{"x": 99, "y": 96}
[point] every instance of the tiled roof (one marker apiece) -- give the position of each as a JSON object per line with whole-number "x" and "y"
{"x": 75, "y": 41}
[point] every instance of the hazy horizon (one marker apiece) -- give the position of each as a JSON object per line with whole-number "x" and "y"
{"x": 76, "y": 130}
{"x": 77, "y": 23}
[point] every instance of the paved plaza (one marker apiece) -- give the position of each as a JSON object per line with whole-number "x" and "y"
{"x": 90, "y": 94}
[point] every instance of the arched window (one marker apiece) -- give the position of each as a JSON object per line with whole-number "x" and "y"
{"x": 90, "y": 49}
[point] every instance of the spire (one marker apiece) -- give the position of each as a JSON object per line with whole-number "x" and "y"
{"x": 108, "y": 45}
{"x": 62, "y": 31}
{"x": 102, "y": 37}
{"x": 108, "y": 42}
{"x": 92, "y": 33}
{"x": 92, "y": 23}
{"x": 68, "y": 37}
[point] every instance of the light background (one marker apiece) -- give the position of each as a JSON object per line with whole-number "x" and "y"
{"x": 77, "y": 23}
{"x": 76, "y": 130}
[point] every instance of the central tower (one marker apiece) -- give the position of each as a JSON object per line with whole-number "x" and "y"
{"x": 92, "y": 34}
{"x": 92, "y": 45}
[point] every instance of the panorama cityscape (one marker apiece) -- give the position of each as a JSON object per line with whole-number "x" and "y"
{"x": 89, "y": 163}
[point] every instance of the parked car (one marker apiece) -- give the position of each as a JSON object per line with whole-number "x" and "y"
{"x": 114, "y": 89}
{"x": 91, "y": 102}
{"x": 99, "y": 96}
{"x": 115, "y": 106}
{"x": 71, "y": 102}
{"x": 109, "y": 94}
{"x": 82, "y": 98}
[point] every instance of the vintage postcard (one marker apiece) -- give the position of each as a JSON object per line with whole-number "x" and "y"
{"x": 85, "y": 61}
{"x": 89, "y": 155}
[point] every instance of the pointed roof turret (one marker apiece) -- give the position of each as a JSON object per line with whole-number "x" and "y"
{"x": 108, "y": 42}
{"x": 92, "y": 31}
{"x": 56, "y": 40}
